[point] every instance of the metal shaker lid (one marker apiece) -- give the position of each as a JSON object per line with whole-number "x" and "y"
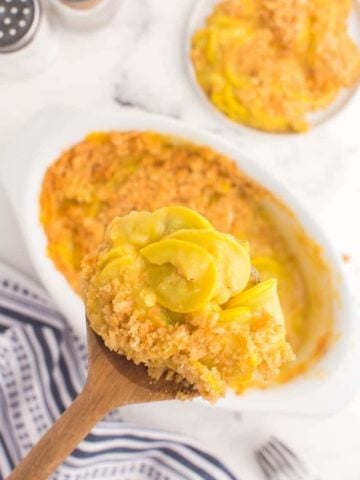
{"x": 19, "y": 20}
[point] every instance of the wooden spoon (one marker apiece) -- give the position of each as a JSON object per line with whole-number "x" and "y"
{"x": 113, "y": 381}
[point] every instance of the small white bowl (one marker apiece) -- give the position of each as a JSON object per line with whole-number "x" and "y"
{"x": 198, "y": 16}
{"x": 331, "y": 382}
{"x": 85, "y": 18}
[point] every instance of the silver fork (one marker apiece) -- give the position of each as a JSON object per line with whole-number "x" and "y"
{"x": 279, "y": 462}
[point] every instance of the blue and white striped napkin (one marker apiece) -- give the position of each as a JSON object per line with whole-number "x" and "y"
{"x": 42, "y": 368}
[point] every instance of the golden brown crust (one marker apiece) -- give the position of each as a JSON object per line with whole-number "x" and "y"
{"x": 269, "y": 63}
{"x": 110, "y": 174}
{"x": 196, "y": 347}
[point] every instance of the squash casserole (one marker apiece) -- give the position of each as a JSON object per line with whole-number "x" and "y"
{"x": 110, "y": 174}
{"x": 168, "y": 290}
{"x": 268, "y": 64}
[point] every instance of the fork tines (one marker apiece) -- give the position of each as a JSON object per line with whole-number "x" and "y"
{"x": 279, "y": 462}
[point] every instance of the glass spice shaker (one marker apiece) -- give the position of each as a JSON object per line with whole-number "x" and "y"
{"x": 26, "y": 46}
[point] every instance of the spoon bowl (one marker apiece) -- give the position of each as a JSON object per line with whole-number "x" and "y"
{"x": 126, "y": 382}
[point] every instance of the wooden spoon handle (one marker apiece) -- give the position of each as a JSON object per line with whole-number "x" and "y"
{"x": 63, "y": 437}
{"x": 112, "y": 382}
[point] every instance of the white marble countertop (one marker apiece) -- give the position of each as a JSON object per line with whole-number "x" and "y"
{"x": 138, "y": 59}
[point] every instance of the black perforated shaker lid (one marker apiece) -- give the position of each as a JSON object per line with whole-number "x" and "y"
{"x": 19, "y": 20}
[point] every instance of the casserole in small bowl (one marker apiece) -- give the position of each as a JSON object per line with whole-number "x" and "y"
{"x": 274, "y": 72}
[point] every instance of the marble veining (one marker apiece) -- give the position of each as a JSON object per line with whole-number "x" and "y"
{"x": 138, "y": 60}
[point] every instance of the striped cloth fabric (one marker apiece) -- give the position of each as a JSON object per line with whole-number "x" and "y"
{"x": 42, "y": 369}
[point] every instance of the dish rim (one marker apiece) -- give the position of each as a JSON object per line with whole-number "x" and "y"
{"x": 308, "y": 398}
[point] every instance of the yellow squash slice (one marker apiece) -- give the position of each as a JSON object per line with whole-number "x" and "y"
{"x": 232, "y": 259}
{"x": 183, "y": 275}
{"x": 263, "y": 295}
